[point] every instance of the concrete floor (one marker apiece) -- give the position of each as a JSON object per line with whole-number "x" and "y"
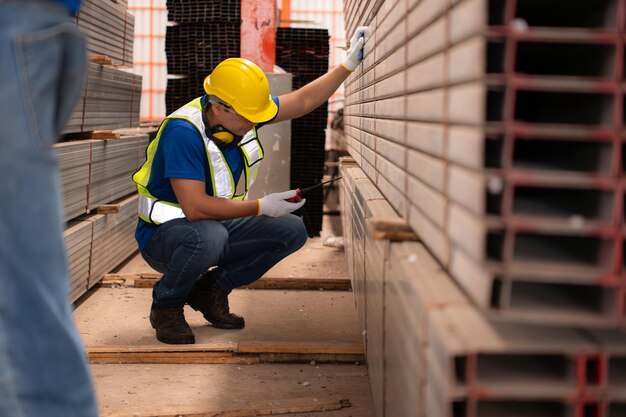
{"x": 117, "y": 318}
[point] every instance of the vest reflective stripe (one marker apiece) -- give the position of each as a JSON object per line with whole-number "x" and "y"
{"x": 158, "y": 211}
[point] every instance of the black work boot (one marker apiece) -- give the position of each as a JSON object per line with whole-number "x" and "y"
{"x": 208, "y": 298}
{"x": 171, "y": 326}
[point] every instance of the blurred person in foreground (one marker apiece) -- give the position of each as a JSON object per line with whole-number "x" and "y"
{"x": 43, "y": 371}
{"x": 195, "y": 224}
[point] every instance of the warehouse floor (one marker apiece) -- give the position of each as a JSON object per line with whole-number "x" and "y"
{"x": 300, "y": 353}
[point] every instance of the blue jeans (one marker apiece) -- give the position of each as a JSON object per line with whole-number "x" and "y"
{"x": 242, "y": 250}
{"x": 43, "y": 371}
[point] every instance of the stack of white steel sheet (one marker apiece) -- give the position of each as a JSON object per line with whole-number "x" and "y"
{"x": 113, "y": 162}
{"x": 432, "y": 352}
{"x": 113, "y": 239}
{"x": 495, "y": 128}
{"x": 74, "y": 160}
{"x": 95, "y": 172}
{"x": 77, "y": 237}
{"x": 109, "y": 29}
{"x": 110, "y": 100}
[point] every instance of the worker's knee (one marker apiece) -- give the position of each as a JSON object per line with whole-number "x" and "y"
{"x": 297, "y": 231}
{"x": 209, "y": 239}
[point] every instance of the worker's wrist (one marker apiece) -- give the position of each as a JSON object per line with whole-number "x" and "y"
{"x": 346, "y": 66}
{"x": 258, "y": 207}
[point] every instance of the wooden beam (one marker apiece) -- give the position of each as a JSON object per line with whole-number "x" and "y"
{"x": 94, "y": 134}
{"x": 246, "y": 352}
{"x": 108, "y": 209}
{"x": 387, "y": 228}
{"x": 148, "y": 279}
{"x": 336, "y": 284}
{"x": 171, "y": 358}
{"x": 200, "y": 347}
{"x": 101, "y": 59}
{"x": 201, "y": 353}
{"x": 292, "y": 346}
{"x": 284, "y": 406}
{"x": 347, "y": 161}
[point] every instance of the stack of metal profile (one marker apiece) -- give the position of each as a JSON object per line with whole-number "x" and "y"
{"x": 95, "y": 172}
{"x": 495, "y": 128}
{"x": 97, "y": 243}
{"x": 113, "y": 239}
{"x": 111, "y": 99}
{"x": 203, "y": 34}
{"x": 77, "y": 237}
{"x": 109, "y": 29}
{"x": 74, "y": 162}
{"x": 202, "y": 11}
{"x": 181, "y": 90}
{"x": 502, "y": 145}
{"x": 198, "y": 48}
{"x": 113, "y": 162}
{"x": 432, "y": 352}
{"x": 304, "y": 53}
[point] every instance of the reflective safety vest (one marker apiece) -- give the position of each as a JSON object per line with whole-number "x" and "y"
{"x": 157, "y": 211}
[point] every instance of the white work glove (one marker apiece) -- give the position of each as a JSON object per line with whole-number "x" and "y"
{"x": 275, "y": 205}
{"x": 355, "y": 53}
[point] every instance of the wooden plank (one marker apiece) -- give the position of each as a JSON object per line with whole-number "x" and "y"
{"x": 101, "y": 59}
{"x": 147, "y": 280}
{"x": 395, "y": 229}
{"x": 204, "y": 347}
{"x": 108, "y": 208}
{"x": 311, "y": 357}
{"x": 169, "y": 357}
{"x": 286, "y": 406}
{"x": 94, "y": 134}
{"x": 247, "y": 352}
{"x": 335, "y": 284}
{"x": 141, "y": 275}
{"x": 207, "y": 353}
{"x": 272, "y": 346}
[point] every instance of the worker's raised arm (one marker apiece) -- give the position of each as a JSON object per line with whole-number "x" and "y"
{"x": 309, "y": 97}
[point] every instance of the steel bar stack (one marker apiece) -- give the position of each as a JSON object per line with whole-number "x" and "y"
{"x": 111, "y": 96}
{"x": 96, "y": 173}
{"x": 110, "y": 100}
{"x": 304, "y": 53}
{"x": 495, "y": 128}
{"x": 109, "y": 29}
{"x": 203, "y": 34}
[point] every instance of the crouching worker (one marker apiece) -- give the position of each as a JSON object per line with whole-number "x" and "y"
{"x": 195, "y": 225}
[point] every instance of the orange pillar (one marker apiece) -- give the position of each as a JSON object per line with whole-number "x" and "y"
{"x": 258, "y": 32}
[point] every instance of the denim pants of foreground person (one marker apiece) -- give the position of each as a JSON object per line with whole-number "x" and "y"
{"x": 242, "y": 249}
{"x": 43, "y": 371}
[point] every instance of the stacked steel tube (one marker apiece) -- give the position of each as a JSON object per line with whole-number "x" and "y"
{"x": 109, "y": 30}
{"x": 111, "y": 95}
{"x": 203, "y": 34}
{"x": 95, "y": 172}
{"x": 496, "y": 130}
{"x": 304, "y": 53}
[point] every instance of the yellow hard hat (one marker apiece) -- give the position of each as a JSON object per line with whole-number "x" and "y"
{"x": 242, "y": 85}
